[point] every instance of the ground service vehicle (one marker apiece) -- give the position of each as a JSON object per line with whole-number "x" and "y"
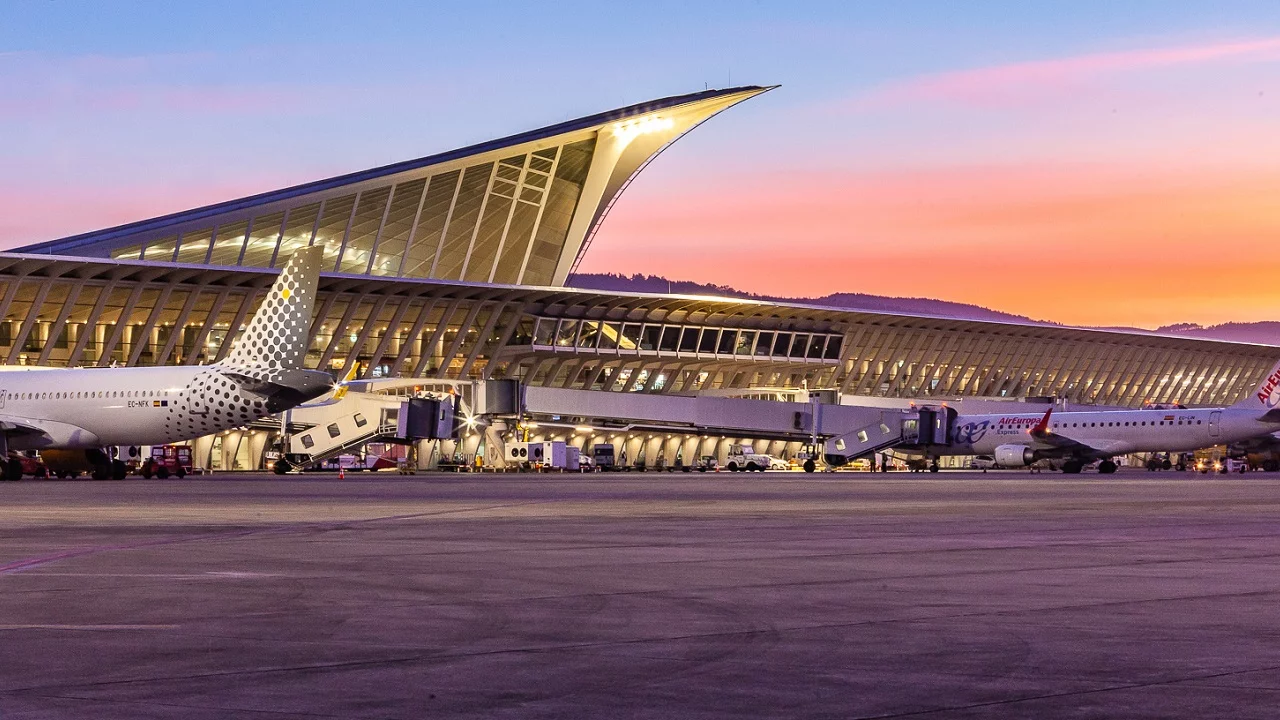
{"x": 745, "y": 458}
{"x": 167, "y": 460}
{"x": 602, "y": 456}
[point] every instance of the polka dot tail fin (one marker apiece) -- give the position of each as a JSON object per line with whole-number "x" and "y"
{"x": 275, "y": 340}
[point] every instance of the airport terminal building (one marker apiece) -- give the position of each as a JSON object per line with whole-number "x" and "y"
{"x": 453, "y": 267}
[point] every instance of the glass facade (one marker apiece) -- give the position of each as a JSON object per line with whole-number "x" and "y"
{"x": 624, "y": 344}
{"x": 504, "y": 221}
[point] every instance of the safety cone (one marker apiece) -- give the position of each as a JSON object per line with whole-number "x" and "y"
{"x": 342, "y": 473}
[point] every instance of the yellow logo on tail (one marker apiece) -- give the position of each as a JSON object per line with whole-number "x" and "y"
{"x": 341, "y": 392}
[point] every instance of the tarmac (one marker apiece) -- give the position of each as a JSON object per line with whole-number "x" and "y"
{"x": 957, "y": 595}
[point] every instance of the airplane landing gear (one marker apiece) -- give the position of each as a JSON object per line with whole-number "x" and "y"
{"x": 933, "y": 466}
{"x": 13, "y": 469}
{"x": 1072, "y": 467}
{"x": 1106, "y": 467}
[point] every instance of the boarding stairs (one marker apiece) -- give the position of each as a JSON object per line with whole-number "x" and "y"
{"x": 346, "y": 421}
{"x": 327, "y": 429}
{"x": 888, "y": 431}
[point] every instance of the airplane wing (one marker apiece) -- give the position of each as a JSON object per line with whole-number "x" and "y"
{"x": 47, "y": 432}
{"x": 1050, "y": 443}
{"x": 20, "y": 426}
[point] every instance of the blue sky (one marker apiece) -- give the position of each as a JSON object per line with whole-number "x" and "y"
{"x": 117, "y": 111}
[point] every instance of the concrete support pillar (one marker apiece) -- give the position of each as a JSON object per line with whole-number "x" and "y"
{"x": 202, "y": 452}
{"x": 495, "y": 447}
{"x": 634, "y": 444}
{"x": 429, "y": 454}
{"x": 258, "y": 443}
{"x": 470, "y": 443}
{"x": 653, "y": 448}
{"x": 689, "y": 444}
{"x": 671, "y": 448}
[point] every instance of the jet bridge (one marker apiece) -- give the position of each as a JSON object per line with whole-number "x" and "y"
{"x": 846, "y": 432}
{"x": 403, "y": 410}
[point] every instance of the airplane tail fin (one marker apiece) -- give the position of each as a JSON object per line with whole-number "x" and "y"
{"x": 1041, "y": 428}
{"x": 275, "y": 340}
{"x": 1266, "y": 397}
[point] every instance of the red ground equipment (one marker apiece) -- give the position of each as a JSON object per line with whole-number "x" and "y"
{"x": 167, "y": 460}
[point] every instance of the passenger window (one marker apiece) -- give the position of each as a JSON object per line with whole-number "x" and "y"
{"x": 707, "y": 343}
{"x": 689, "y": 340}
{"x": 360, "y": 421}
{"x": 307, "y": 442}
{"x": 334, "y": 431}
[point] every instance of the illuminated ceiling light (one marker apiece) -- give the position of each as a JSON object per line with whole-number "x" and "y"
{"x": 629, "y": 130}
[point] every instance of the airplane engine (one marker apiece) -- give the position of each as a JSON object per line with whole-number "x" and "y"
{"x": 1014, "y": 455}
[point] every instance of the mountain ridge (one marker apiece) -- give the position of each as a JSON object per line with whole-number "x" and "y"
{"x": 1266, "y": 332}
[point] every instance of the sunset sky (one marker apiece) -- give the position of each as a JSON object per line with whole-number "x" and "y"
{"x": 1091, "y": 163}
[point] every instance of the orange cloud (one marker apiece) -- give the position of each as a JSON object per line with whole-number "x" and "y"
{"x": 1017, "y": 80}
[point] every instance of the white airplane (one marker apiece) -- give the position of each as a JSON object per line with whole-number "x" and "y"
{"x": 89, "y": 408}
{"x": 1078, "y": 438}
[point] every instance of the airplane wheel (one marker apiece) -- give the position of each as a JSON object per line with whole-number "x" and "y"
{"x": 118, "y": 470}
{"x": 1072, "y": 467}
{"x": 810, "y": 466}
{"x": 1106, "y": 467}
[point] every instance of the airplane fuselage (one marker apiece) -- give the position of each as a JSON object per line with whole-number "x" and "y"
{"x": 1113, "y": 432}
{"x": 92, "y": 407}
